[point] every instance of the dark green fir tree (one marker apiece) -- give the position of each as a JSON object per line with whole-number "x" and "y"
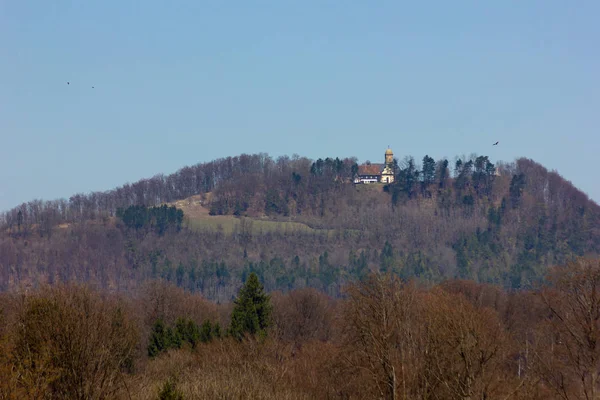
{"x": 251, "y": 314}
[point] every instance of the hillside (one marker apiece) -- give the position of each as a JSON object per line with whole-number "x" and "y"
{"x": 298, "y": 222}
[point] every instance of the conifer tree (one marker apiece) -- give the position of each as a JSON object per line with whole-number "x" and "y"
{"x": 252, "y": 311}
{"x": 387, "y": 258}
{"x": 216, "y": 330}
{"x": 163, "y": 338}
{"x": 159, "y": 339}
{"x": 428, "y": 171}
{"x": 206, "y": 333}
{"x": 188, "y": 331}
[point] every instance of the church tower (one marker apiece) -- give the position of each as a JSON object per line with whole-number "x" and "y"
{"x": 387, "y": 175}
{"x": 389, "y": 158}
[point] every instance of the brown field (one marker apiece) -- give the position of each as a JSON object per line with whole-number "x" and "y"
{"x": 197, "y": 217}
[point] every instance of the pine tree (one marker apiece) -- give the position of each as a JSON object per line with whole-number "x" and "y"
{"x": 193, "y": 333}
{"x": 428, "y": 171}
{"x": 442, "y": 173}
{"x": 188, "y": 331}
{"x": 216, "y": 330}
{"x": 206, "y": 333}
{"x": 159, "y": 339}
{"x": 252, "y": 311}
{"x": 387, "y": 261}
{"x": 517, "y": 184}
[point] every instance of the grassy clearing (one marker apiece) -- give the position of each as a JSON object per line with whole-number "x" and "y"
{"x": 198, "y": 218}
{"x": 228, "y": 224}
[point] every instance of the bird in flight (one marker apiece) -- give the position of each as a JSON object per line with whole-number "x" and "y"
{"x": 68, "y": 83}
{"x": 92, "y": 87}
{"x": 495, "y": 144}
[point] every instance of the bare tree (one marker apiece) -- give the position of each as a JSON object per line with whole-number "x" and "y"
{"x": 72, "y": 343}
{"x": 378, "y": 333}
{"x": 303, "y": 315}
{"x": 464, "y": 350}
{"x": 568, "y": 355}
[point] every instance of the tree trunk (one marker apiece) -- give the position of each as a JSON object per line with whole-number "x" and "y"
{"x": 392, "y": 384}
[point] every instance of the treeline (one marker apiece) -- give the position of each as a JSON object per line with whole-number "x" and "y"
{"x": 245, "y": 185}
{"x": 318, "y": 191}
{"x": 243, "y": 176}
{"x": 386, "y": 338}
{"x": 501, "y": 224}
{"x": 473, "y": 179}
{"x": 296, "y": 187}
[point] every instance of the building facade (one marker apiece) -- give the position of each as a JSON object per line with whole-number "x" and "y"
{"x": 377, "y": 173}
{"x": 368, "y": 173}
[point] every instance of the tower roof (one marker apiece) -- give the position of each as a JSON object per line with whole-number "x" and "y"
{"x": 389, "y": 152}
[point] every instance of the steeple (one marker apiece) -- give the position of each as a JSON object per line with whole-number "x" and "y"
{"x": 389, "y": 157}
{"x": 387, "y": 175}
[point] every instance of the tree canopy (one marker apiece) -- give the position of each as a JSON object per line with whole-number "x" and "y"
{"x": 252, "y": 310}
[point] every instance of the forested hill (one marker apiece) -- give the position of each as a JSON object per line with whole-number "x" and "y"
{"x": 298, "y": 222}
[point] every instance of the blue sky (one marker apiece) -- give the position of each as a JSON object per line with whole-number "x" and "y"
{"x": 182, "y": 82}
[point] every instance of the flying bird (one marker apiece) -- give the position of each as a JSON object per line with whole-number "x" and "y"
{"x": 68, "y": 83}
{"x": 92, "y": 87}
{"x": 495, "y": 144}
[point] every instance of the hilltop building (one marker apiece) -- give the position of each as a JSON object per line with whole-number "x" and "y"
{"x": 387, "y": 175}
{"x": 373, "y": 173}
{"x": 368, "y": 173}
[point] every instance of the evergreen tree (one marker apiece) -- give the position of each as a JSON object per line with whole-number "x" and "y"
{"x": 458, "y": 167}
{"x": 206, "y": 333}
{"x": 428, "y": 171}
{"x": 157, "y": 218}
{"x": 274, "y": 204}
{"x": 174, "y": 338}
{"x": 160, "y": 340}
{"x": 405, "y": 186}
{"x": 442, "y": 173}
{"x": 483, "y": 175}
{"x": 187, "y": 330}
{"x": 252, "y": 310}
{"x": 180, "y": 274}
{"x": 192, "y": 333}
{"x": 463, "y": 173}
{"x": 358, "y": 264}
{"x": 216, "y": 330}
{"x": 354, "y": 170}
{"x": 517, "y": 185}
{"x": 387, "y": 260}
{"x": 411, "y": 176}
{"x": 395, "y": 166}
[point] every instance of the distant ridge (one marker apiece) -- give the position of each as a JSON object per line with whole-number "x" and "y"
{"x": 301, "y": 223}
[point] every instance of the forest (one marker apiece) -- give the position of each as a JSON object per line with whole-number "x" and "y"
{"x": 502, "y": 224}
{"x": 258, "y": 278}
{"x": 385, "y": 338}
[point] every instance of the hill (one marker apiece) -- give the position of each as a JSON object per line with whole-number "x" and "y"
{"x": 298, "y": 222}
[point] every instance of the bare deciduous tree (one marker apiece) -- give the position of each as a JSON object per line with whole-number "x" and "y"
{"x": 377, "y": 332}
{"x": 568, "y": 352}
{"x": 72, "y": 343}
